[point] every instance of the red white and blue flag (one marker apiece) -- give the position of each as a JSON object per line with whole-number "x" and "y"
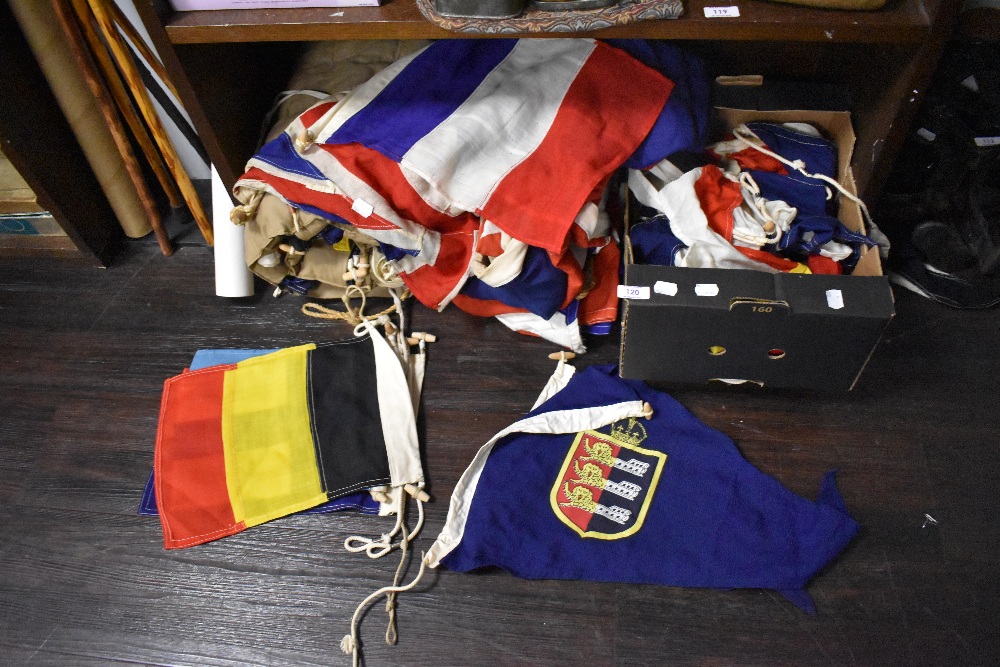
{"x": 469, "y": 137}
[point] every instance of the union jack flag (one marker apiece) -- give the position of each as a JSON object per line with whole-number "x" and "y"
{"x": 479, "y": 166}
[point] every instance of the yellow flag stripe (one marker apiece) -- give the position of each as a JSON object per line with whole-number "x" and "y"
{"x": 267, "y": 437}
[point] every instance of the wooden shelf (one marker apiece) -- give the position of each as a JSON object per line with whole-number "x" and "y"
{"x": 882, "y": 58}
{"x": 899, "y": 22}
{"x": 10, "y": 205}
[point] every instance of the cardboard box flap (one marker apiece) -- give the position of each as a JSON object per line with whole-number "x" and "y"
{"x": 699, "y": 288}
{"x": 742, "y": 292}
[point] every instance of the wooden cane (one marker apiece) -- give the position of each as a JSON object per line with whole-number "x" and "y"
{"x": 140, "y": 44}
{"x": 124, "y": 102}
{"x": 78, "y": 47}
{"x": 128, "y": 69}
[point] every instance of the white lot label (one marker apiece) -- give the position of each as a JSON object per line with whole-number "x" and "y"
{"x": 835, "y": 299}
{"x": 362, "y": 208}
{"x": 663, "y": 287}
{"x": 983, "y": 142}
{"x": 632, "y": 292}
{"x": 721, "y": 12}
{"x": 706, "y": 289}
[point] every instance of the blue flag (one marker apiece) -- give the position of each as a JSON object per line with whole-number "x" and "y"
{"x": 586, "y": 488}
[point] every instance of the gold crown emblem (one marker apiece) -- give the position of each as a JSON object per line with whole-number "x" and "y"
{"x": 629, "y": 431}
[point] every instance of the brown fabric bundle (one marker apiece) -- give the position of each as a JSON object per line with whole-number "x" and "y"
{"x": 273, "y": 230}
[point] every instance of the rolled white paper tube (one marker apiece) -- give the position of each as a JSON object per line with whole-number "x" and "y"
{"x": 232, "y": 277}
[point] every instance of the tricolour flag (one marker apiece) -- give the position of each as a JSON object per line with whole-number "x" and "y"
{"x": 241, "y": 444}
{"x": 516, "y": 133}
{"x": 362, "y": 500}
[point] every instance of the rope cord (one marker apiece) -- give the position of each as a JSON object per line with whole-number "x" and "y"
{"x": 377, "y": 549}
{"x": 385, "y": 273}
{"x": 390, "y": 599}
{"x": 800, "y": 166}
{"x": 397, "y": 300}
{"x": 351, "y": 315}
{"x": 753, "y": 199}
{"x": 384, "y": 544}
{"x": 239, "y": 215}
{"x": 420, "y": 520}
{"x": 350, "y": 643}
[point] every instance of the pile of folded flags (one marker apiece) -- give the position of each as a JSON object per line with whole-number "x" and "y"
{"x": 481, "y": 173}
{"x": 762, "y": 199}
{"x": 476, "y": 172}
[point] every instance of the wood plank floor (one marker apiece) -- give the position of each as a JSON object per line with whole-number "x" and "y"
{"x": 85, "y": 581}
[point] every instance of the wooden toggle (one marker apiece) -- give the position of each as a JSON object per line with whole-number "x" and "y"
{"x": 289, "y": 250}
{"x": 417, "y": 493}
{"x": 304, "y": 140}
{"x": 418, "y": 336}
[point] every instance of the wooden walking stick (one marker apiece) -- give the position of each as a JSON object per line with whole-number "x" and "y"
{"x": 78, "y": 47}
{"x": 124, "y": 102}
{"x": 128, "y": 69}
{"x": 140, "y": 44}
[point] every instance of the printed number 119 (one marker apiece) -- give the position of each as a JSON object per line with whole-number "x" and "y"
{"x": 721, "y": 12}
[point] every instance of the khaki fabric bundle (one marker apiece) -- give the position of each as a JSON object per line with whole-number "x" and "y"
{"x": 269, "y": 231}
{"x": 272, "y": 227}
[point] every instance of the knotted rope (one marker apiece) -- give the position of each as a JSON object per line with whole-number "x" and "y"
{"x": 350, "y": 643}
{"x": 379, "y": 548}
{"x": 746, "y": 136}
{"x": 383, "y": 545}
{"x": 351, "y": 315}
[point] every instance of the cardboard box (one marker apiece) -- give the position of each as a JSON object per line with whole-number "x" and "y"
{"x": 775, "y": 330}
{"x": 197, "y": 5}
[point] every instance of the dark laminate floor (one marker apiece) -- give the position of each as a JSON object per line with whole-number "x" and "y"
{"x": 85, "y": 581}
